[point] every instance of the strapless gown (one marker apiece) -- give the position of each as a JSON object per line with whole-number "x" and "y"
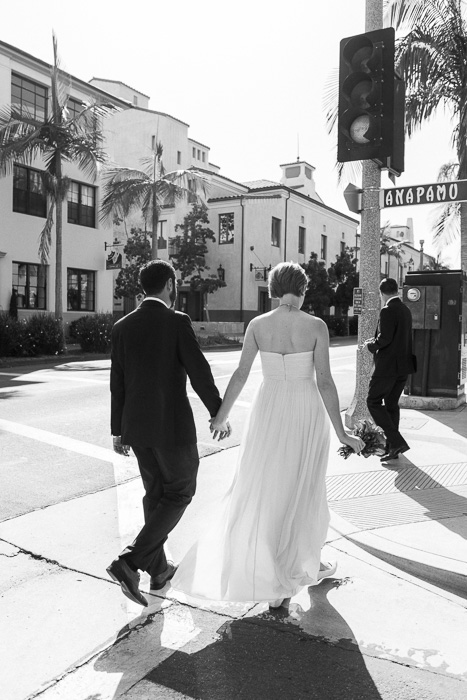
{"x": 266, "y": 538}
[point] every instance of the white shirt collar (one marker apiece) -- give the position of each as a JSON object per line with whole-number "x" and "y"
{"x": 396, "y": 296}
{"x": 156, "y": 299}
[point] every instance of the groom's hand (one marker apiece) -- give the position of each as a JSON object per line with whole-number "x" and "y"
{"x": 119, "y": 448}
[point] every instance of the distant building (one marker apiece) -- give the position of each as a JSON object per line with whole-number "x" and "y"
{"x": 257, "y": 224}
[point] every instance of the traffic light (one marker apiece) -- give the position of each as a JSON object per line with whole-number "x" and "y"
{"x": 371, "y": 101}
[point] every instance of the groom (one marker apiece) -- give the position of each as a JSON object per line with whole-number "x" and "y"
{"x": 394, "y": 361}
{"x": 153, "y": 350}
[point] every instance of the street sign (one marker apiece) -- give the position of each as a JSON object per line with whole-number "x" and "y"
{"x": 357, "y": 300}
{"x": 436, "y": 193}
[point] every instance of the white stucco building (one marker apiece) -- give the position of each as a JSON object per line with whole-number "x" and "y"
{"x": 257, "y": 224}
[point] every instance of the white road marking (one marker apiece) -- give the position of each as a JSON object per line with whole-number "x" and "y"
{"x": 66, "y": 443}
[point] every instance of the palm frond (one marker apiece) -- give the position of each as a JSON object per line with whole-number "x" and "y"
{"x": 448, "y": 172}
{"x": 445, "y": 223}
{"x": 124, "y": 189}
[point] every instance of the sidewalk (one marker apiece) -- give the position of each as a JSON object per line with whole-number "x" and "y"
{"x": 392, "y": 623}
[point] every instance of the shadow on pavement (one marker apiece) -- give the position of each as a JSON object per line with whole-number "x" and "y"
{"x": 266, "y": 656}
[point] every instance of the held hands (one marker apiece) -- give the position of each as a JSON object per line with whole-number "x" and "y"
{"x": 221, "y": 428}
{"x": 119, "y": 448}
{"x": 353, "y": 441}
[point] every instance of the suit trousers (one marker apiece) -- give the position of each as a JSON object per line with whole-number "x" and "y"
{"x": 387, "y": 389}
{"x": 169, "y": 480}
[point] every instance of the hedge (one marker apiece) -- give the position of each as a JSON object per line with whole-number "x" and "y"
{"x": 40, "y": 334}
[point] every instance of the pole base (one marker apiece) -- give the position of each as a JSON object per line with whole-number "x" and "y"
{"x": 432, "y": 403}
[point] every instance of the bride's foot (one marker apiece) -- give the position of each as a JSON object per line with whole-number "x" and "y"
{"x": 276, "y": 603}
{"x": 327, "y": 569}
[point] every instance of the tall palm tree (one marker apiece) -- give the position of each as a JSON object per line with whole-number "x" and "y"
{"x": 147, "y": 190}
{"x": 432, "y": 59}
{"x": 57, "y": 139}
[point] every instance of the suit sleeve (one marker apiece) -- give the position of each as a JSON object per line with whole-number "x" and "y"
{"x": 387, "y": 329}
{"x": 117, "y": 387}
{"x": 196, "y": 366}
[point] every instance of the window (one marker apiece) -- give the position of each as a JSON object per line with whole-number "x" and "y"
{"x": 74, "y": 107}
{"x": 204, "y": 156}
{"x": 226, "y": 228}
{"x": 324, "y": 247}
{"x": 135, "y": 100}
{"x": 82, "y": 204}
{"x": 161, "y": 241}
{"x": 29, "y": 282}
{"x": 294, "y": 171}
{"x": 194, "y": 152}
{"x": 153, "y": 143}
{"x": 275, "y": 232}
{"x": 28, "y": 192}
{"x": 301, "y": 239}
{"x": 199, "y": 154}
{"x": 308, "y": 173}
{"x": 80, "y": 290}
{"x": 324, "y": 228}
{"x": 179, "y": 157}
{"x": 343, "y": 246}
{"x": 28, "y": 98}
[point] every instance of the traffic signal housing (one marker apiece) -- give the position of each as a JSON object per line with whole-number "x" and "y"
{"x": 371, "y": 101}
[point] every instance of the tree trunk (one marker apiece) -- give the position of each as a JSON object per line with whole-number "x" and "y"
{"x": 155, "y": 221}
{"x": 58, "y": 244}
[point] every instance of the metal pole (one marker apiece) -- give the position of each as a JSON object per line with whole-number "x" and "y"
{"x": 370, "y": 261}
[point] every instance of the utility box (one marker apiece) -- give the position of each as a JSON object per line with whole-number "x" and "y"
{"x": 438, "y": 303}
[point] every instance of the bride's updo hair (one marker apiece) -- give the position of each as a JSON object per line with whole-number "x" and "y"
{"x": 287, "y": 278}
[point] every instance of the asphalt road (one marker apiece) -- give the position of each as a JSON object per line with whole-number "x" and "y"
{"x": 54, "y": 426}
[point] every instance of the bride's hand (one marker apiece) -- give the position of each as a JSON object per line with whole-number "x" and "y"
{"x": 221, "y": 428}
{"x": 354, "y": 442}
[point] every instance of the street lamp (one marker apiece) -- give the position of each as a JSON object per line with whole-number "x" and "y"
{"x": 411, "y": 264}
{"x": 420, "y": 266}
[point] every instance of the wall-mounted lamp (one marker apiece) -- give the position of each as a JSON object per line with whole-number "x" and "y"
{"x": 221, "y": 273}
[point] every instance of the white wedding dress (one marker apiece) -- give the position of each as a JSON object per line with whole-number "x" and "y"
{"x": 266, "y": 539}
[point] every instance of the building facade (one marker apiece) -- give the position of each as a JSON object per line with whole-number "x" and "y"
{"x": 257, "y": 224}
{"x": 87, "y": 285}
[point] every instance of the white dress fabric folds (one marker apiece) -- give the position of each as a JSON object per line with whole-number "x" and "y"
{"x": 266, "y": 538}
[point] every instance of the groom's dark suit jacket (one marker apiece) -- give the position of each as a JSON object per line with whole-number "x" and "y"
{"x": 153, "y": 351}
{"x": 392, "y": 346}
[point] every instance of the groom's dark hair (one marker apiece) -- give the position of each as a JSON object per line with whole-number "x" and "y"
{"x": 388, "y": 286}
{"x": 154, "y": 275}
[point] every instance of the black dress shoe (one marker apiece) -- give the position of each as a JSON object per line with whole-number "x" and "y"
{"x": 394, "y": 453}
{"x": 128, "y": 580}
{"x": 159, "y": 581}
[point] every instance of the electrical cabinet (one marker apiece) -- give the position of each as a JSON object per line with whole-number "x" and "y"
{"x": 438, "y": 303}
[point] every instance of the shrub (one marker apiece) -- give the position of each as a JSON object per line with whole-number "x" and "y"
{"x": 93, "y": 332}
{"x": 11, "y": 335}
{"x": 44, "y": 335}
{"x": 41, "y": 334}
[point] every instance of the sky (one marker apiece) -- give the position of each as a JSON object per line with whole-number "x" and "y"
{"x": 247, "y": 76}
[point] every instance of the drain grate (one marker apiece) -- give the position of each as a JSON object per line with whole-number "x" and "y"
{"x": 397, "y": 497}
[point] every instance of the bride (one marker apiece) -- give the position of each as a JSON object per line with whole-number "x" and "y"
{"x": 265, "y": 543}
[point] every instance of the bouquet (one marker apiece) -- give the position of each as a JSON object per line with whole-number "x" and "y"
{"x": 372, "y": 436}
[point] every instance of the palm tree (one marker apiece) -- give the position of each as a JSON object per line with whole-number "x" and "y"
{"x": 432, "y": 59}
{"x": 57, "y": 139}
{"x": 149, "y": 189}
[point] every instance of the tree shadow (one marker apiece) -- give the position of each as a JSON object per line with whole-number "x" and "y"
{"x": 264, "y": 656}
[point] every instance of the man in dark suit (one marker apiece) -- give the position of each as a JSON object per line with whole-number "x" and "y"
{"x": 392, "y": 349}
{"x": 153, "y": 350}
